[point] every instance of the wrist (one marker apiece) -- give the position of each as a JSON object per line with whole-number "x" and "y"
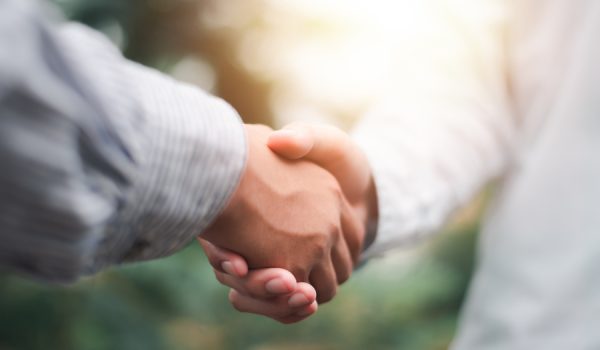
{"x": 237, "y": 204}
{"x": 236, "y": 196}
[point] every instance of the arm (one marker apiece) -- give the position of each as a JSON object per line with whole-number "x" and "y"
{"x": 103, "y": 161}
{"x": 108, "y": 162}
{"x": 447, "y": 131}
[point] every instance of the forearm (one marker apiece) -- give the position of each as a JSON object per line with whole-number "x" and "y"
{"x": 424, "y": 173}
{"x": 446, "y": 131}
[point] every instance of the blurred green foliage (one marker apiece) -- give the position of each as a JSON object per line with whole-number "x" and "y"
{"x": 175, "y": 303}
{"x": 409, "y": 301}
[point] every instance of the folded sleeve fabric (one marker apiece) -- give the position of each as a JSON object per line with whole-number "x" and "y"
{"x": 447, "y": 129}
{"x": 103, "y": 161}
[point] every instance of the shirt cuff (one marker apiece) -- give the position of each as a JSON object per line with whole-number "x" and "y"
{"x": 405, "y": 193}
{"x": 391, "y": 226}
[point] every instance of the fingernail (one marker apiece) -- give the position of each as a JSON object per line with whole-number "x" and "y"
{"x": 227, "y": 266}
{"x": 297, "y": 300}
{"x": 277, "y": 286}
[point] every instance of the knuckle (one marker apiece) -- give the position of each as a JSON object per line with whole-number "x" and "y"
{"x": 336, "y": 234}
{"x": 320, "y": 247}
{"x": 334, "y": 228}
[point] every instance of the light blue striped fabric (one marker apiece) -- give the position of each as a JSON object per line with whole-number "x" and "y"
{"x": 102, "y": 160}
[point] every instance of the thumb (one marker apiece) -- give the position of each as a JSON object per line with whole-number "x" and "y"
{"x": 294, "y": 141}
{"x": 326, "y": 146}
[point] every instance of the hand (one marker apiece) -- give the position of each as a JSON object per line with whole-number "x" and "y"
{"x": 271, "y": 292}
{"x": 331, "y": 149}
{"x": 290, "y": 215}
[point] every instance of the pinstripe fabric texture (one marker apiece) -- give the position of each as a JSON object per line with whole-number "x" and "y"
{"x": 103, "y": 161}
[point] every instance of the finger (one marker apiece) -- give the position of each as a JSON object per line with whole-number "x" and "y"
{"x": 300, "y": 314}
{"x": 304, "y": 295}
{"x": 291, "y": 143}
{"x": 261, "y": 283}
{"x": 323, "y": 278}
{"x": 224, "y": 260}
{"x": 342, "y": 261}
{"x": 276, "y": 308}
{"x": 353, "y": 231}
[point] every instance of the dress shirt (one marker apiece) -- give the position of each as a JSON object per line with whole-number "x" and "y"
{"x": 102, "y": 160}
{"x": 506, "y": 90}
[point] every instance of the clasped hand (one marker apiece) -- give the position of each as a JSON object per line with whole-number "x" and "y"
{"x": 295, "y": 227}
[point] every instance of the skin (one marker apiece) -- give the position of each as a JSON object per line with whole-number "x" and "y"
{"x": 270, "y": 292}
{"x": 334, "y": 151}
{"x": 285, "y": 214}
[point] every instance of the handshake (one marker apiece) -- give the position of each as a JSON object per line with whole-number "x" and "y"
{"x": 296, "y": 225}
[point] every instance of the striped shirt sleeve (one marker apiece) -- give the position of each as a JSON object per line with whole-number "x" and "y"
{"x": 103, "y": 161}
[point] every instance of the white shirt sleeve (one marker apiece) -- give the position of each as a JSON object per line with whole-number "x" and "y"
{"x": 446, "y": 130}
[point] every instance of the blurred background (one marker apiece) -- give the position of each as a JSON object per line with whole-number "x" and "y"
{"x": 274, "y": 61}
